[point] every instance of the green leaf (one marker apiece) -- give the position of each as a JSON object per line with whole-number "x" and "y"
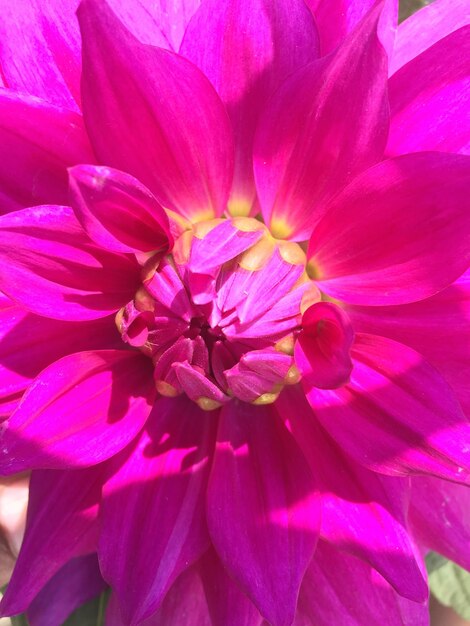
{"x": 449, "y": 583}
{"x": 19, "y": 620}
{"x": 90, "y": 614}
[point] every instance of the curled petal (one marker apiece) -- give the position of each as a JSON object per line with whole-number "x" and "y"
{"x": 322, "y": 352}
{"x": 117, "y": 211}
{"x": 153, "y": 114}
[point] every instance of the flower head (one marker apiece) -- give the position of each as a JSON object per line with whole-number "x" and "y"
{"x": 235, "y": 311}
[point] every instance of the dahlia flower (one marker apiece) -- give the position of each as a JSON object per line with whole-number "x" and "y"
{"x": 235, "y": 309}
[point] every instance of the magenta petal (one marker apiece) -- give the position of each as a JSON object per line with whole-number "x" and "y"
{"x": 228, "y": 605}
{"x": 74, "y": 584}
{"x": 437, "y": 327}
{"x": 439, "y": 517}
{"x": 80, "y": 411}
{"x": 409, "y": 236}
{"x": 117, "y": 211}
{"x": 61, "y": 524}
{"x": 342, "y": 586}
{"x": 263, "y": 511}
{"x": 30, "y": 343}
{"x": 306, "y": 148}
{"x": 247, "y": 48}
{"x": 48, "y": 265}
{"x": 427, "y": 26}
{"x": 153, "y": 114}
{"x": 40, "y": 49}
{"x": 397, "y": 415}
{"x": 37, "y": 142}
{"x": 155, "y": 497}
{"x": 430, "y": 99}
{"x": 363, "y": 513}
{"x": 337, "y": 19}
{"x": 184, "y": 605}
{"x": 323, "y": 346}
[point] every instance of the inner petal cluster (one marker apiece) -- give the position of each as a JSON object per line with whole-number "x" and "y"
{"x": 219, "y": 316}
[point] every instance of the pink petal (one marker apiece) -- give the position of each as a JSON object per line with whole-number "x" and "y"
{"x": 117, "y": 211}
{"x": 397, "y": 415}
{"x": 342, "y": 586}
{"x": 80, "y": 411}
{"x": 37, "y": 143}
{"x": 306, "y": 148}
{"x": 409, "y": 236}
{"x": 184, "y": 605}
{"x": 247, "y": 48}
{"x": 439, "y": 517}
{"x": 155, "y": 497}
{"x": 427, "y": 26}
{"x": 153, "y": 114}
{"x": 62, "y": 515}
{"x": 48, "y": 265}
{"x": 40, "y": 50}
{"x": 438, "y": 328}
{"x": 263, "y": 513}
{"x": 228, "y": 605}
{"x": 322, "y": 349}
{"x": 430, "y": 99}
{"x": 74, "y": 584}
{"x": 40, "y": 42}
{"x": 30, "y": 343}
{"x": 363, "y": 513}
{"x": 337, "y": 19}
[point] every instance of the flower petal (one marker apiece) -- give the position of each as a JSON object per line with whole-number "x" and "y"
{"x": 40, "y": 42}
{"x": 80, "y": 411}
{"x": 437, "y": 327}
{"x": 30, "y": 343}
{"x": 155, "y": 497}
{"x": 48, "y": 265}
{"x": 117, "y": 211}
{"x": 427, "y": 26}
{"x": 74, "y": 584}
{"x": 37, "y": 143}
{"x": 342, "y": 586}
{"x": 306, "y": 148}
{"x": 153, "y": 114}
{"x": 263, "y": 513}
{"x": 228, "y": 606}
{"x": 247, "y": 48}
{"x": 409, "y": 236}
{"x": 439, "y": 517}
{"x": 61, "y": 524}
{"x": 363, "y": 513}
{"x": 184, "y": 605}
{"x": 40, "y": 50}
{"x": 337, "y": 19}
{"x": 397, "y": 415}
{"x": 322, "y": 348}
{"x": 430, "y": 99}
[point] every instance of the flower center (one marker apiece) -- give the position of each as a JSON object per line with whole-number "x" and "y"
{"x": 219, "y": 316}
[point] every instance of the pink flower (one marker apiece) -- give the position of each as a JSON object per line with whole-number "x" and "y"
{"x": 222, "y": 413}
